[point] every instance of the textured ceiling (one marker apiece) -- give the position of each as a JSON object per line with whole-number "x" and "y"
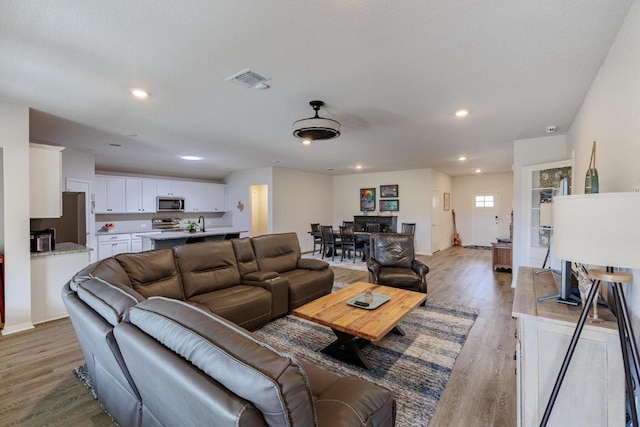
{"x": 393, "y": 73}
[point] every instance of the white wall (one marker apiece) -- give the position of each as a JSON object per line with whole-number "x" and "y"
{"x": 78, "y": 164}
{"x": 610, "y": 115}
{"x": 414, "y": 191}
{"x": 465, "y": 186}
{"x": 527, "y": 152}
{"x": 14, "y": 140}
{"x": 299, "y": 199}
{"x": 238, "y": 184}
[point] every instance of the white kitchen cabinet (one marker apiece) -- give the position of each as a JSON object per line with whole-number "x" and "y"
{"x": 140, "y": 195}
{"x": 167, "y": 187}
{"x": 45, "y": 181}
{"x": 194, "y": 196}
{"x": 113, "y": 244}
{"x": 137, "y": 242}
{"x": 215, "y": 198}
{"x": 593, "y": 392}
{"x": 109, "y": 194}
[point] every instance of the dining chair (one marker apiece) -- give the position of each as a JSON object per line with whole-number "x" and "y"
{"x": 350, "y": 242}
{"x": 348, "y": 224}
{"x": 329, "y": 241}
{"x": 409, "y": 228}
{"x": 372, "y": 228}
{"x": 317, "y": 239}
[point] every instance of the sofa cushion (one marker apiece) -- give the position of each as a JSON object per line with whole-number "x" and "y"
{"x": 153, "y": 273}
{"x": 246, "y": 306}
{"x": 273, "y": 381}
{"x": 394, "y": 250}
{"x": 207, "y": 267}
{"x": 308, "y": 285}
{"x": 111, "y": 301}
{"x": 277, "y": 252}
{"x": 108, "y": 269}
{"x": 245, "y": 256}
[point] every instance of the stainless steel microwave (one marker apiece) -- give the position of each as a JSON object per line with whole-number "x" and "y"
{"x": 169, "y": 204}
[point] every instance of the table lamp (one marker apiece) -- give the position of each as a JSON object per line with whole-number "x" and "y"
{"x": 600, "y": 230}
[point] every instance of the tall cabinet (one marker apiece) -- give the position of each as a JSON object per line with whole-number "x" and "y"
{"x": 540, "y": 184}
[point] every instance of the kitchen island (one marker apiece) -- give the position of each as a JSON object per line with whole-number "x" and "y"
{"x": 169, "y": 239}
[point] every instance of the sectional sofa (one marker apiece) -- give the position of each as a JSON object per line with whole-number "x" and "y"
{"x": 165, "y": 335}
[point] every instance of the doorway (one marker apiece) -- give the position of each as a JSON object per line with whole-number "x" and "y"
{"x": 259, "y": 210}
{"x": 82, "y": 186}
{"x": 484, "y": 219}
{"x": 435, "y": 220}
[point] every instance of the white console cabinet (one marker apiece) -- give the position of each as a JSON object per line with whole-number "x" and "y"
{"x": 592, "y": 393}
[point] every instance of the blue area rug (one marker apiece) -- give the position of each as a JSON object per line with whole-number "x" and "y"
{"x": 415, "y": 367}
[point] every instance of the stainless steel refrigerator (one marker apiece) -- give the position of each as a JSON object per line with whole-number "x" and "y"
{"x": 72, "y": 225}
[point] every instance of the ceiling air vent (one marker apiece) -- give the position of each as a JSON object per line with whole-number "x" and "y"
{"x": 248, "y": 78}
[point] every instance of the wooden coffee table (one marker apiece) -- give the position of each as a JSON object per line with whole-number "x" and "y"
{"x": 356, "y": 327}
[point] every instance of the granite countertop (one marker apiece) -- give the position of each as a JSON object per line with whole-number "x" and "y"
{"x": 116, "y": 230}
{"x": 62, "y": 248}
{"x": 176, "y": 235}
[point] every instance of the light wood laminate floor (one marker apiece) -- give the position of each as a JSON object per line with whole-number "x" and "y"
{"x": 38, "y": 387}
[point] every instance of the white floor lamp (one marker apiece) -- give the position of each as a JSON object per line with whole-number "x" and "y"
{"x": 602, "y": 230}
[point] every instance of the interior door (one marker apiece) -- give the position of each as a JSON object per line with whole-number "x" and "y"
{"x": 485, "y": 219}
{"x": 82, "y": 186}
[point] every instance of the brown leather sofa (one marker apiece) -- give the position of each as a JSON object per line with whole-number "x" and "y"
{"x": 392, "y": 262}
{"x": 222, "y": 375}
{"x": 206, "y": 275}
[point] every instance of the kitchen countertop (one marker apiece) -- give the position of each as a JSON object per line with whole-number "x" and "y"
{"x": 154, "y": 230}
{"x": 177, "y": 235}
{"x": 62, "y": 248}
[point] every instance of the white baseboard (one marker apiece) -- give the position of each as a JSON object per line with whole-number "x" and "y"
{"x": 16, "y": 328}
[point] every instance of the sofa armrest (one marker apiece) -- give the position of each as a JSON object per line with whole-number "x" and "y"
{"x": 374, "y": 269}
{"x": 420, "y": 268}
{"x": 260, "y": 276}
{"x": 279, "y": 289}
{"x": 312, "y": 264}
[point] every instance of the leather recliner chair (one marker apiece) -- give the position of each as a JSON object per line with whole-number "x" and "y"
{"x": 392, "y": 263}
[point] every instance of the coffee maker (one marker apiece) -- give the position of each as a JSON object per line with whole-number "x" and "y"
{"x": 43, "y": 240}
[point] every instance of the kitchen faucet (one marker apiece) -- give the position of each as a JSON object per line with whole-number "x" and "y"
{"x": 202, "y": 226}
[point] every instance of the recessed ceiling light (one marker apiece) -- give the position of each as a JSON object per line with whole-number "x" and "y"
{"x": 139, "y": 93}
{"x": 462, "y": 158}
{"x": 191, "y": 158}
{"x": 478, "y": 170}
{"x": 462, "y": 113}
{"x": 306, "y": 142}
{"x": 358, "y": 166}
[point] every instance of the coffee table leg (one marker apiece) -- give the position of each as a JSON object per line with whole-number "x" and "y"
{"x": 347, "y": 348}
{"x": 398, "y": 330}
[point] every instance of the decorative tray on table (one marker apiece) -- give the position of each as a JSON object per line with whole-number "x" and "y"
{"x": 358, "y": 301}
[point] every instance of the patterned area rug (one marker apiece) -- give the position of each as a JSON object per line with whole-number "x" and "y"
{"x": 415, "y": 367}
{"x": 347, "y": 263}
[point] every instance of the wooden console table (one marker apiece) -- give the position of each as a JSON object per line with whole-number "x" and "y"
{"x": 501, "y": 255}
{"x": 593, "y": 391}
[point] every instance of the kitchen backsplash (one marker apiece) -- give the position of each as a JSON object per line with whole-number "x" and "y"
{"x": 127, "y": 223}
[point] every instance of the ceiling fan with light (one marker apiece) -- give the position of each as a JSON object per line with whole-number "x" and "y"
{"x": 316, "y": 128}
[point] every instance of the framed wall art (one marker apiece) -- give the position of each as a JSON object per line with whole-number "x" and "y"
{"x": 367, "y": 199}
{"x": 389, "y": 205}
{"x": 388, "y": 191}
{"x": 447, "y": 202}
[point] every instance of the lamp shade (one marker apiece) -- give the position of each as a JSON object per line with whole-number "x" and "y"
{"x": 598, "y": 229}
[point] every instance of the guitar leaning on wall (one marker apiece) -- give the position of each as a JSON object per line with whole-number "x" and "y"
{"x": 456, "y": 236}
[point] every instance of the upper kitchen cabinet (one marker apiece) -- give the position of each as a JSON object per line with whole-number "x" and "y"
{"x": 194, "y": 197}
{"x": 45, "y": 181}
{"x": 110, "y": 194}
{"x": 215, "y": 197}
{"x": 170, "y": 188}
{"x": 140, "y": 195}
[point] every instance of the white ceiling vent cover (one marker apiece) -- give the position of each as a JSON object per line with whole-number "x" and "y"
{"x": 247, "y": 78}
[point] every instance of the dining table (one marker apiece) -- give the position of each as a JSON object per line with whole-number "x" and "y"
{"x": 362, "y": 236}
